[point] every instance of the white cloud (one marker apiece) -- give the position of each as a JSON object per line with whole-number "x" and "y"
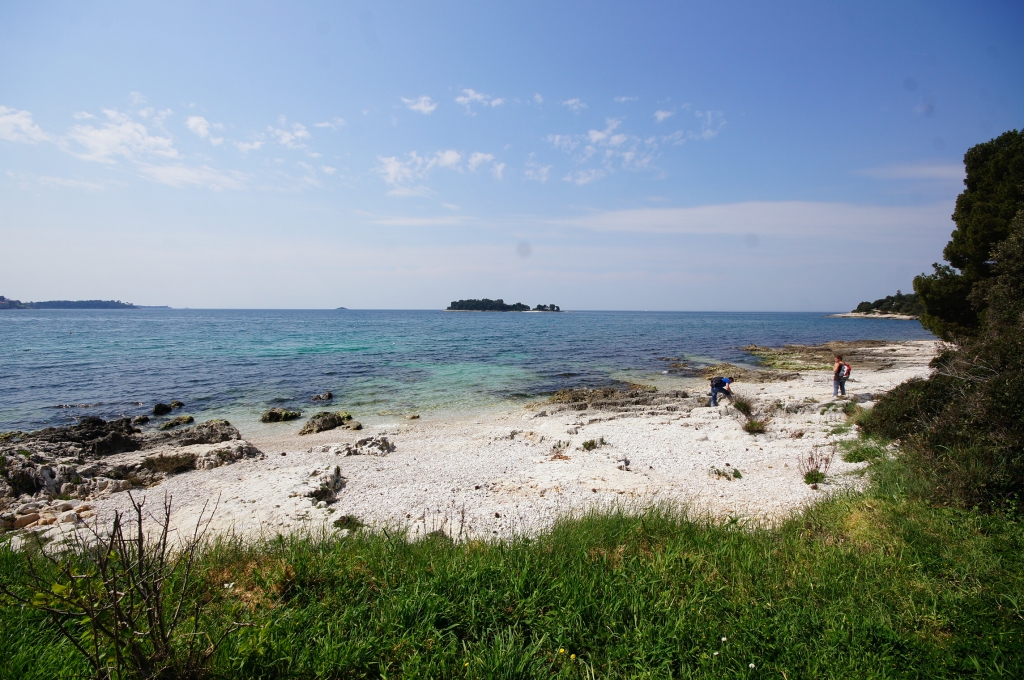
{"x": 608, "y": 147}
{"x": 920, "y": 171}
{"x": 290, "y": 138}
{"x": 82, "y": 115}
{"x": 201, "y": 127}
{"x": 402, "y": 173}
{"x": 563, "y": 142}
{"x": 328, "y": 170}
{"x": 581, "y": 177}
{"x": 773, "y": 218}
{"x": 470, "y": 97}
{"x": 575, "y": 104}
{"x": 538, "y": 99}
{"x": 204, "y": 177}
{"x": 136, "y": 99}
{"x": 18, "y": 126}
{"x": 537, "y": 172}
{"x": 120, "y": 136}
{"x": 245, "y": 147}
{"x": 424, "y": 105}
{"x": 661, "y": 115}
{"x": 332, "y": 124}
{"x": 622, "y": 100}
{"x": 478, "y": 159}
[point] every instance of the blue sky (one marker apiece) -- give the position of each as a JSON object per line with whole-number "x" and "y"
{"x": 674, "y": 156}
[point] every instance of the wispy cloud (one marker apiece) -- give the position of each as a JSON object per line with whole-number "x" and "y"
{"x": 581, "y": 177}
{"x": 623, "y": 100}
{"x": 332, "y": 124}
{"x": 478, "y": 159}
{"x": 772, "y": 218}
{"x": 18, "y": 126}
{"x": 401, "y": 173}
{"x": 536, "y": 172}
{"x": 121, "y": 136}
{"x": 537, "y": 99}
{"x": 424, "y": 105}
{"x": 470, "y": 97}
{"x": 201, "y": 127}
{"x": 29, "y": 181}
{"x": 246, "y": 147}
{"x": 919, "y": 171}
{"x": 575, "y": 104}
{"x": 660, "y": 115}
{"x": 178, "y": 175}
{"x": 293, "y": 138}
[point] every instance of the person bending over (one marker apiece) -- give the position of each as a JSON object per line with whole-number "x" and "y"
{"x": 721, "y": 386}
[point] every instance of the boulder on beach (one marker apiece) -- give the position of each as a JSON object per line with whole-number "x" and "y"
{"x": 276, "y": 415}
{"x": 97, "y": 456}
{"x": 329, "y": 420}
{"x": 177, "y": 422}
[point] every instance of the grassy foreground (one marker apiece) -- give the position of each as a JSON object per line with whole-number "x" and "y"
{"x": 869, "y": 585}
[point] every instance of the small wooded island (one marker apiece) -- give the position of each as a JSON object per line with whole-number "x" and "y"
{"x": 487, "y": 305}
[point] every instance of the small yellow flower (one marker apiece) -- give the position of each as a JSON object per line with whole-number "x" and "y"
{"x": 465, "y": 664}
{"x": 572, "y": 656}
{"x": 561, "y": 650}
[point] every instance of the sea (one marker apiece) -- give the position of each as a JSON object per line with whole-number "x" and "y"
{"x": 57, "y": 366}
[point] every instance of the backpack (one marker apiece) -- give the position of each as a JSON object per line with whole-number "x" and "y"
{"x": 844, "y": 372}
{"x": 718, "y": 382}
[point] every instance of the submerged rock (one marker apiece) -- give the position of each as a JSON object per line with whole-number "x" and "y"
{"x": 275, "y": 415}
{"x": 326, "y": 396}
{"x": 162, "y": 409}
{"x": 177, "y": 422}
{"x": 329, "y": 420}
{"x": 140, "y": 420}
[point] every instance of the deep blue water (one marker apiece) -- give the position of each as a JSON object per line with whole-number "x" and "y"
{"x": 57, "y": 365}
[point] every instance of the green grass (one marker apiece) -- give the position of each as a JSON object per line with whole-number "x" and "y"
{"x": 872, "y": 585}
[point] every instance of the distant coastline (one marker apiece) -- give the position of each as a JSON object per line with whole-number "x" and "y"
{"x": 874, "y": 315}
{"x": 6, "y": 303}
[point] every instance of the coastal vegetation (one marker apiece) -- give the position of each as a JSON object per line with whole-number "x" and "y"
{"x": 488, "y": 305}
{"x": 899, "y": 303}
{"x": 6, "y": 303}
{"x": 881, "y": 583}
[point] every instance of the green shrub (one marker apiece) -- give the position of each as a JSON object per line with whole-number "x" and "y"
{"x": 755, "y": 426}
{"x": 814, "y": 477}
{"x": 743, "y": 406}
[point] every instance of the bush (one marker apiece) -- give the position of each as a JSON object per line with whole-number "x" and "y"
{"x": 754, "y": 427}
{"x": 907, "y": 409}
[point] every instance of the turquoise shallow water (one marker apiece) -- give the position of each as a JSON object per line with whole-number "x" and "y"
{"x": 58, "y": 365}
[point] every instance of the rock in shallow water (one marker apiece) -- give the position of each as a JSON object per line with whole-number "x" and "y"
{"x": 276, "y": 415}
{"x": 177, "y": 422}
{"x": 328, "y": 420}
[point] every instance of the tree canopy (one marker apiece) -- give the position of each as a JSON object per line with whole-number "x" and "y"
{"x": 984, "y": 212}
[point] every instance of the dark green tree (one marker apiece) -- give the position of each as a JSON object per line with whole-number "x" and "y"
{"x": 994, "y": 194}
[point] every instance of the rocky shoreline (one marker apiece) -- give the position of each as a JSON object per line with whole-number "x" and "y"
{"x": 501, "y": 473}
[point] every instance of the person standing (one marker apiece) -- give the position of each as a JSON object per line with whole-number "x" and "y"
{"x": 840, "y": 374}
{"x": 720, "y": 386}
